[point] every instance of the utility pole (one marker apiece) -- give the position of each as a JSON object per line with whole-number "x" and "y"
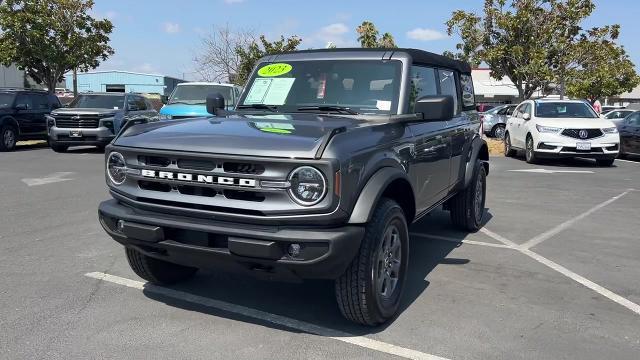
{"x": 75, "y": 82}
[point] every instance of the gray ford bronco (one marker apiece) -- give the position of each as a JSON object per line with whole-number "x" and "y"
{"x": 328, "y": 158}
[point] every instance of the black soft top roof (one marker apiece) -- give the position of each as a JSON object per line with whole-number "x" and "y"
{"x": 419, "y": 56}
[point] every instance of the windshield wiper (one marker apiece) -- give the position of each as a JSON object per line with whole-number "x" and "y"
{"x": 340, "y": 109}
{"x": 271, "y": 108}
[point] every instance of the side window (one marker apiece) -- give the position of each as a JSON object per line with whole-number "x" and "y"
{"x": 510, "y": 110}
{"x": 448, "y": 87}
{"x": 518, "y": 111}
{"x": 527, "y": 109}
{"x": 503, "y": 111}
{"x": 24, "y": 99}
{"x": 468, "y": 97}
{"x": 131, "y": 103}
{"x": 40, "y": 102}
{"x": 142, "y": 105}
{"x": 423, "y": 83}
{"x": 634, "y": 119}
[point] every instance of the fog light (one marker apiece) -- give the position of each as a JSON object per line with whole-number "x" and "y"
{"x": 120, "y": 225}
{"x": 294, "y": 250}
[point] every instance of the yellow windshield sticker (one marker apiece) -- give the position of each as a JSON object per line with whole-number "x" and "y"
{"x": 274, "y": 70}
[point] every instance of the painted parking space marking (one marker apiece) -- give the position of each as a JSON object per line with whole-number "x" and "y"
{"x": 567, "y": 224}
{"x": 49, "y": 179}
{"x": 458, "y": 241}
{"x": 268, "y": 317}
{"x": 546, "y": 171}
{"x": 568, "y": 273}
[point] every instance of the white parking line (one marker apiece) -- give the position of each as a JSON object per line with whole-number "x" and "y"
{"x": 458, "y": 241}
{"x": 272, "y": 318}
{"x": 565, "y": 225}
{"x": 49, "y": 179}
{"x": 570, "y": 274}
{"x": 629, "y": 161}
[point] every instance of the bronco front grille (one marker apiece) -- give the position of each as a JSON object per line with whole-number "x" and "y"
{"x": 77, "y": 121}
{"x": 575, "y": 133}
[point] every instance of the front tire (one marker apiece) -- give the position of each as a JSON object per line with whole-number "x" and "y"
{"x": 508, "y": 149}
{"x": 530, "y": 153}
{"x": 467, "y": 207}
{"x": 157, "y": 271}
{"x": 605, "y": 162}
{"x": 8, "y": 138}
{"x": 370, "y": 290}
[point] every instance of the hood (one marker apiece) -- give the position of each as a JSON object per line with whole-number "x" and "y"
{"x": 184, "y": 110}
{"x": 84, "y": 111}
{"x": 576, "y": 123}
{"x": 299, "y": 135}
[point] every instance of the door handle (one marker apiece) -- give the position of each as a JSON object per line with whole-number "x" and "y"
{"x": 434, "y": 148}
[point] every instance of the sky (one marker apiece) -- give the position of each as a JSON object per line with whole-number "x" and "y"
{"x": 163, "y": 37}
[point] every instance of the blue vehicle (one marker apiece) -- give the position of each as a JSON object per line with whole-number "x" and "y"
{"x": 188, "y": 100}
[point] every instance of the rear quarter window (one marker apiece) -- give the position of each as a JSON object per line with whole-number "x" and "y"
{"x": 468, "y": 96}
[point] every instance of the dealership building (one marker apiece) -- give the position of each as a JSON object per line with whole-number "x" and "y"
{"x": 123, "y": 81}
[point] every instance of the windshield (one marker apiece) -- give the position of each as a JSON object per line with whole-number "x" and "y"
{"x": 6, "y": 100}
{"x": 564, "y": 110}
{"x": 98, "y": 101}
{"x": 197, "y": 94}
{"x": 369, "y": 87}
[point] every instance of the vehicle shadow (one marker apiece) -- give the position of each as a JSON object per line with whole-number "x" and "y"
{"x": 567, "y": 162}
{"x": 313, "y": 301}
{"x": 85, "y": 150}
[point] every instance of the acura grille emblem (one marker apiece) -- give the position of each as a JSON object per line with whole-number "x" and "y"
{"x": 583, "y": 134}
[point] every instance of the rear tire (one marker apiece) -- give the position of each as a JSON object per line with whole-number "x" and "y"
{"x": 369, "y": 291}
{"x": 157, "y": 271}
{"x": 467, "y": 207}
{"x": 530, "y": 153}
{"x": 508, "y": 149}
{"x": 8, "y": 138}
{"x": 59, "y": 148}
{"x": 498, "y": 131}
{"x": 605, "y": 162}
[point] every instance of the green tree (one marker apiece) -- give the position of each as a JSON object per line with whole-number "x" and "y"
{"x": 46, "y": 39}
{"x": 604, "y": 68}
{"x": 251, "y": 54}
{"x": 368, "y": 37}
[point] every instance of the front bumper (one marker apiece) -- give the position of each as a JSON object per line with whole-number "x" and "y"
{"x": 99, "y": 136}
{"x": 262, "y": 251}
{"x": 551, "y": 145}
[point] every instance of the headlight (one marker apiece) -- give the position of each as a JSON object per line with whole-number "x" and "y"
{"x": 547, "y": 129}
{"x": 611, "y": 130}
{"x": 116, "y": 168}
{"x": 308, "y": 186}
{"x": 165, "y": 117}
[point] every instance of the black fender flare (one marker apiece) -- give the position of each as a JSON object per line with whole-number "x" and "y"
{"x": 478, "y": 151}
{"x": 11, "y": 121}
{"x": 372, "y": 191}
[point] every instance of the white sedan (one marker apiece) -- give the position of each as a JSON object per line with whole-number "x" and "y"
{"x": 561, "y": 129}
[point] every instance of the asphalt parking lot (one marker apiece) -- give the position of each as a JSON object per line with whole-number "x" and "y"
{"x": 554, "y": 275}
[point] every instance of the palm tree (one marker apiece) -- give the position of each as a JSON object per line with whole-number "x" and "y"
{"x": 387, "y": 41}
{"x": 368, "y": 35}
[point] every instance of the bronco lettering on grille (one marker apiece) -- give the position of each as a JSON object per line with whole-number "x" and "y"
{"x": 205, "y": 179}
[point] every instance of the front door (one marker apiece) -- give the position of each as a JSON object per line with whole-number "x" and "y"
{"x": 630, "y": 134}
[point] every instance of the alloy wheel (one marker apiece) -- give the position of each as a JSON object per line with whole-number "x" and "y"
{"x": 389, "y": 262}
{"x": 8, "y": 138}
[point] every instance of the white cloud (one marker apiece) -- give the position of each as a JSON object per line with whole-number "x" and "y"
{"x": 425, "y": 34}
{"x": 335, "y": 33}
{"x": 171, "y": 28}
{"x": 233, "y": 1}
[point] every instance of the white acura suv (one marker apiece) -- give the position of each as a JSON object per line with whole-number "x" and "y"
{"x": 561, "y": 129}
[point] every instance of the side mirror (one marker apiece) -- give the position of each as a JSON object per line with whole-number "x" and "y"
{"x": 164, "y": 99}
{"x": 215, "y": 102}
{"x": 526, "y": 116}
{"x": 435, "y": 107}
{"x": 20, "y": 107}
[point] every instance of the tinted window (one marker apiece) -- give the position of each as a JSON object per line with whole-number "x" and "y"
{"x": 423, "y": 83}
{"x": 197, "y": 94}
{"x": 369, "y": 86}
{"x": 634, "y": 119}
{"x": 6, "y": 100}
{"x": 24, "y": 99}
{"x": 564, "y": 110}
{"x": 40, "y": 102}
{"x": 139, "y": 101}
{"x": 98, "y": 101}
{"x": 526, "y": 109}
{"x": 510, "y": 110}
{"x": 448, "y": 86}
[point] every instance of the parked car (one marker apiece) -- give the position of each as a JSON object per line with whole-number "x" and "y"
{"x": 494, "y": 121}
{"x": 317, "y": 176}
{"x": 629, "y": 129}
{"x": 617, "y": 115}
{"x": 63, "y": 93}
{"x": 95, "y": 118}
{"x": 484, "y": 107}
{"x": 189, "y": 99}
{"x": 23, "y": 115}
{"x": 608, "y": 108}
{"x": 561, "y": 129}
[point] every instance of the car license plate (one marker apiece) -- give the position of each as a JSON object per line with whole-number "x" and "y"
{"x": 583, "y": 146}
{"x": 75, "y": 133}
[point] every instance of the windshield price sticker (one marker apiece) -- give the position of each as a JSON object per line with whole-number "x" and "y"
{"x": 269, "y": 91}
{"x": 274, "y": 70}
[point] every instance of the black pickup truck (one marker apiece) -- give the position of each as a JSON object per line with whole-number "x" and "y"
{"x": 328, "y": 158}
